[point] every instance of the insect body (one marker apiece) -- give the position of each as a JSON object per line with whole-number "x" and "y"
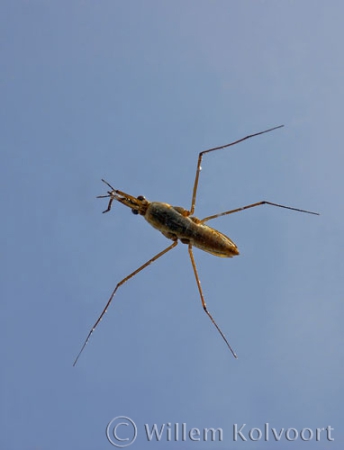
{"x": 175, "y": 223}
{"x": 179, "y": 224}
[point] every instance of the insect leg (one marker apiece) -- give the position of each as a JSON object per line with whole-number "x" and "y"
{"x": 200, "y": 156}
{"x": 252, "y": 206}
{"x": 115, "y": 290}
{"x": 203, "y": 301}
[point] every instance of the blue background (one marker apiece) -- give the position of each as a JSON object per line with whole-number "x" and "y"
{"x": 132, "y": 92}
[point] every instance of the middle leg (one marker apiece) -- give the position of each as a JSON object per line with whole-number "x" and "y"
{"x": 252, "y": 206}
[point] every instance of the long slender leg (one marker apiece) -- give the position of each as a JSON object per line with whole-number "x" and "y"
{"x": 252, "y": 206}
{"x": 203, "y": 301}
{"x": 200, "y": 156}
{"x": 115, "y": 290}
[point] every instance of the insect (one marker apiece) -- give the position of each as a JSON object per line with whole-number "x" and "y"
{"x": 179, "y": 224}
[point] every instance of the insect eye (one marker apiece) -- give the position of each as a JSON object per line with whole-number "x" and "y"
{"x": 141, "y": 197}
{"x": 135, "y": 211}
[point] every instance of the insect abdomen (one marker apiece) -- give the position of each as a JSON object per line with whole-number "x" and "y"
{"x": 212, "y": 241}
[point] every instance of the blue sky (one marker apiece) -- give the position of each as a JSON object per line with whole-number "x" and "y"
{"x": 132, "y": 92}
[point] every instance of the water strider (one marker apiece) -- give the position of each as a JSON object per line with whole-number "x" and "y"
{"x": 179, "y": 224}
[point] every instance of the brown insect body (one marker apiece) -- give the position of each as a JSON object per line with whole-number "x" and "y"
{"x": 175, "y": 223}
